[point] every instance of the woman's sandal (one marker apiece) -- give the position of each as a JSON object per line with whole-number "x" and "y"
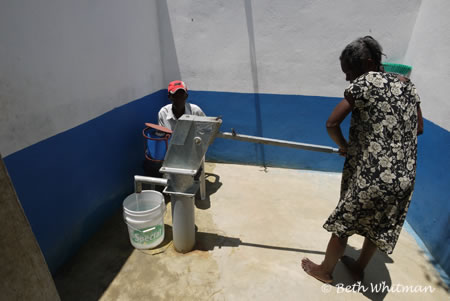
{"x": 351, "y": 265}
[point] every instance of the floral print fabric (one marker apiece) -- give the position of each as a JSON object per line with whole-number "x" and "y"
{"x": 380, "y": 168}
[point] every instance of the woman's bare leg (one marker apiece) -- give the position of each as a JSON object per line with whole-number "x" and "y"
{"x": 335, "y": 249}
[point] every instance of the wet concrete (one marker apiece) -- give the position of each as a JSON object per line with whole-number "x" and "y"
{"x": 252, "y": 231}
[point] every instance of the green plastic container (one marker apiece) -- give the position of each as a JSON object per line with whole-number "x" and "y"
{"x": 397, "y": 68}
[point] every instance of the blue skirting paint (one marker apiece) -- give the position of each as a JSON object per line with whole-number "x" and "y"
{"x": 430, "y": 257}
{"x": 429, "y": 212}
{"x": 287, "y": 117}
{"x": 302, "y": 119}
{"x": 70, "y": 183}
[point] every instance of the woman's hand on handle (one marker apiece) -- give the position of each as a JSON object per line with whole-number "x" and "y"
{"x": 343, "y": 151}
{"x": 334, "y": 125}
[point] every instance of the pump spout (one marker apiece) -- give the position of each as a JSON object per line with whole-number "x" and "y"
{"x": 138, "y": 180}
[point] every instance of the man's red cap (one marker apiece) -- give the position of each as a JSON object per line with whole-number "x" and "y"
{"x": 176, "y": 85}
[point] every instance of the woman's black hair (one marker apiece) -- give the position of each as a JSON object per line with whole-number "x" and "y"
{"x": 360, "y": 50}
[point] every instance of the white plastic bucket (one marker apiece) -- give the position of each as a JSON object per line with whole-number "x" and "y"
{"x": 144, "y": 215}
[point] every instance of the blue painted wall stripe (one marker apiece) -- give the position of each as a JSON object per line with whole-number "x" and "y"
{"x": 429, "y": 213}
{"x": 302, "y": 118}
{"x": 70, "y": 183}
{"x": 407, "y": 227}
{"x": 288, "y": 117}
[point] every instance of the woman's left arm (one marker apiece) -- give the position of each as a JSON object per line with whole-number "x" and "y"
{"x": 419, "y": 121}
{"x": 334, "y": 124}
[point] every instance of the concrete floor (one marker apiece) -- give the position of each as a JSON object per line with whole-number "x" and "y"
{"x": 253, "y": 230}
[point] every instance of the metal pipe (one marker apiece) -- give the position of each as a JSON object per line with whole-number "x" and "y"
{"x": 183, "y": 222}
{"x": 276, "y": 142}
{"x": 138, "y": 180}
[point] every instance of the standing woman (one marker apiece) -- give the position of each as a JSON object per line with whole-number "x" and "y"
{"x": 380, "y": 166}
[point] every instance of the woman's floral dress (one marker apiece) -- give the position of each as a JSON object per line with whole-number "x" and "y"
{"x": 380, "y": 168}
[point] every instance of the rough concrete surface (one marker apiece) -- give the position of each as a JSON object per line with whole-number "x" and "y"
{"x": 23, "y": 271}
{"x": 252, "y": 232}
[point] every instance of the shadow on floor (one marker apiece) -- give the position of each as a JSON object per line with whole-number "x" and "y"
{"x": 374, "y": 286}
{"x": 376, "y": 281}
{"x": 88, "y": 274}
{"x": 208, "y": 241}
{"x": 212, "y": 183}
{"x": 442, "y": 280}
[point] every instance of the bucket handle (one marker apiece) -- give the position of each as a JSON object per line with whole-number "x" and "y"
{"x": 143, "y": 231}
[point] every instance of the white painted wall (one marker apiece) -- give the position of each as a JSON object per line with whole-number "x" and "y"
{"x": 428, "y": 53}
{"x": 65, "y": 62}
{"x": 297, "y": 43}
